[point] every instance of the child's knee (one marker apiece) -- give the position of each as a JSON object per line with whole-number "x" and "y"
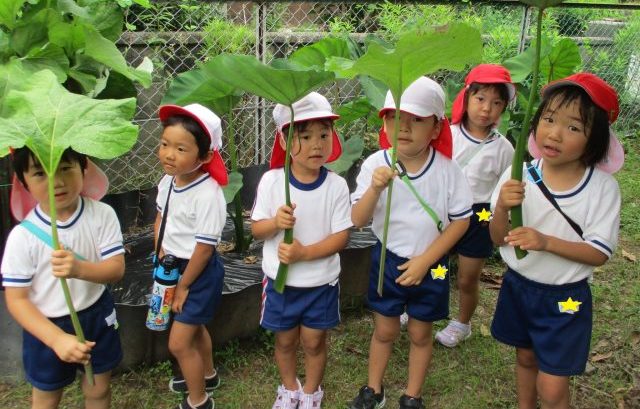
{"x": 46, "y": 399}
{"x": 385, "y": 334}
{"x": 553, "y": 390}
{"x": 526, "y": 358}
{"x": 99, "y": 391}
{"x": 178, "y": 346}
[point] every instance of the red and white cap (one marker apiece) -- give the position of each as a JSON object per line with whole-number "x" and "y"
{"x": 211, "y": 124}
{"x": 95, "y": 186}
{"x": 423, "y": 98}
{"x": 481, "y": 74}
{"x": 311, "y": 106}
{"x": 605, "y": 97}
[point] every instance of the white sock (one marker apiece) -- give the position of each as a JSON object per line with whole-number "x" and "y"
{"x": 206, "y": 397}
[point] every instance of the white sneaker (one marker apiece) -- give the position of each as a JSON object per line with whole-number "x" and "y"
{"x": 404, "y": 320}
{"x": 287, "y": 399}
{"x": 311, "y": 400}
{"x": 453, "y": 334}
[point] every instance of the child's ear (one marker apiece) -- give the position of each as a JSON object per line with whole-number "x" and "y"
{"x": 208, "y": 157}
{"x": 437, "y": 127}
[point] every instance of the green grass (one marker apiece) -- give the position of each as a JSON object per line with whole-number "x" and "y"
{"x": 477, "y": 375}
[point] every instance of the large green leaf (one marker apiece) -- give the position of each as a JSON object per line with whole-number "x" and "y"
{"x": 233, "y": 187}
{"x": 561, "y": 61}
{"x": 201, "y": 86}
{"x": 11, "y": 75}
{"x": 351, "y": 152}
{"x": 281, "y": 82}
{"x": 106, "y": 16}
{"x": 521, "y": 66}
{"x": 315, "y": 55}
{"x": 51, "y": 57}
{"x": 106, "y": 52}
{"x": 117, "y": 86}
{"x": 48, "y": 119}
{"x": 356, "y": 109}
{"x": 32, "y": 31}
{"x": 9, "y": 11}
{"x": 417, "y": 54}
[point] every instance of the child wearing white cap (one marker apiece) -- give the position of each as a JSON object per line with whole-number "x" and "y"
{"x": 192, "y": 208}
{"x": 92, "y": 256}
{"x": 430, "y": 209}
{"x": 320, "y": 217}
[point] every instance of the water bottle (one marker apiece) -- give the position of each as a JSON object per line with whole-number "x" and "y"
{"x": 165, "y": 278}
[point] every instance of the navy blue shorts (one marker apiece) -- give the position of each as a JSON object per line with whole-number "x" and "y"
{"x": 553, "y": 320}
{"x": 204, "y": 293}
{"x": 45, "y": 371}
{"x": 428, "y": 301}
{"x": 313, "y": 307}
{"x": 476, "y": 242}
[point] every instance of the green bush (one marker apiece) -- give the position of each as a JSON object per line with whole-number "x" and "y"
{"x": 223, "y": 36}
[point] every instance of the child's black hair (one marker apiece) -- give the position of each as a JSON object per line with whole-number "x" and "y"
{"x": 475, "y": 87}
{"x": 593, "y": 117}
{"x": 193, "y": 127}
{"x": 299, "y": 127}
{"x": 20, "y": 161}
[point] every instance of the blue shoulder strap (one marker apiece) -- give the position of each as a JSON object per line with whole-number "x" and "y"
{"x": 43, "y": 235}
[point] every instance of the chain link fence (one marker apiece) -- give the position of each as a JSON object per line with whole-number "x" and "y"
{"x": 178, "y": 34}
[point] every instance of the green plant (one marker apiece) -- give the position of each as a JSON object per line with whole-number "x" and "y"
{"x": 456, "y": 46}
{"x": 223, "y": 36}
{"x": 43, "y": 116}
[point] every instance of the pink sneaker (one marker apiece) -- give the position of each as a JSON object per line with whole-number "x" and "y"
{"x": 453, "y": 334}
{"x": 311, "y": 400}
{"x": 287, "y": 399}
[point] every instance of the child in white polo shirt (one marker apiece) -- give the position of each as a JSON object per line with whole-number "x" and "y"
{"x": 430, "y": 209}
{"x": 320, "y": 218}
{"x": 483, "y": 154}
{"x": 192, "y": 207}
{"x": 92, "y": 256}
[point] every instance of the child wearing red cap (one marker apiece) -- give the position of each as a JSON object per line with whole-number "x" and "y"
{"x": 483, "y": 154}
{"x": 430, "y": 210}
{"x": 320, "y": 217}
{"x": 192, "y": 208}
{"x": 92, "y": 256}
{"x": 571, "y": 214}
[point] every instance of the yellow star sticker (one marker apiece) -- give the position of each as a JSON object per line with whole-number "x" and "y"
{"x": 439, "y": 273}
{"x": 484, "y": 215}
{"x": 570, "y": 306}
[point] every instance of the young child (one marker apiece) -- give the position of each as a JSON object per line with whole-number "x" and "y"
{"x": 191, "y": 189}
{"x": 482, "y": 154}
{"x": 320, "y": 216}
{"x": 571, "y": 216}
{"x": 91, "y": 256}
{"x": 415, "y": 273}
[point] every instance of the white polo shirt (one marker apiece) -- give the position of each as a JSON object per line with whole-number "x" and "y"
{"x": 197, "y": 214}
{"x": 441, "y": 184}
{"x": 322, "y": 209}
{"x": 92, "y": 232}
{"x": 481, "y": 163}
{"x": 593, "y": 203}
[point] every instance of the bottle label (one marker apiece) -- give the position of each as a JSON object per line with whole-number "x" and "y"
{"x": 159, "y": 314}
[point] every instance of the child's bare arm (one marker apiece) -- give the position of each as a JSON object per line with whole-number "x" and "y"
{"x": 511, "y": 194}
{"x": 290, "y": 253}
{"x": 528, "y": 238}
{"x": 65, "y": 265}
{"x": 66, "y": 346}
{"x": 416, "y": 268}
{"x": 198, "y": 262}
{"x": 284, "y": 219}
{"x": 362, "y": 210}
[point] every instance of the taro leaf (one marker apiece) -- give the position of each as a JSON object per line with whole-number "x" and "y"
{"x": 105, "y": 16}
{"x": 201, "y": 86}
{"x": 542, "y": 4}
{"x": 315, "y": 55}
{"x": 32, "y": 31}
{"x": 106, "y": 52}
{"x": 117, "y": 86}
{"x": 356, "y": 109}
{"x": 51, "y": 57}
{"x": 11, "y": 75}
{"x": 281, "y": 82}
{"x": 375, "y": 90}
{"x": 9, "y": 11}
{"x": 455, "y": 47}
{"x": 71, "y": 7}
{"x": 351, "y": 152}
{"x": 234, "y": 186}
{"x": 521, "y": 66}
{"x": 561, "y": 61}
{"x": 48, "y": 119}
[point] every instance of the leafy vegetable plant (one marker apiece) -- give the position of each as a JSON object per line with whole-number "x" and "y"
{"x": 43, "y": 116}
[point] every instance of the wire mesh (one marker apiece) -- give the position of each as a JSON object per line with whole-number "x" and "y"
{"x": 176, "y": 35}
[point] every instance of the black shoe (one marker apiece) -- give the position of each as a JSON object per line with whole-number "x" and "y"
{"x": 177, "y": 384}
{"x": 208, "y": 404}
{"x": 368, "y": 399}
{"x": 408, "y": 402}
